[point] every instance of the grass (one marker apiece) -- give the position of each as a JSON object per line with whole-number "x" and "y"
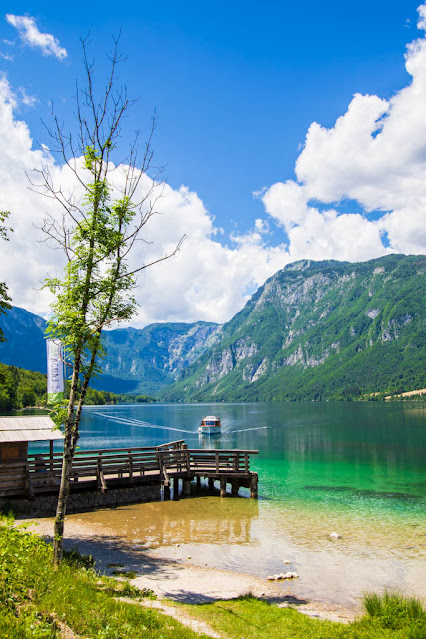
{"x": 36, "y": 599}
{"x": 251, "y": 618}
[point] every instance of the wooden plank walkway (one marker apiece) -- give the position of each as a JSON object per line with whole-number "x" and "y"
{"x": 112, "y": 468}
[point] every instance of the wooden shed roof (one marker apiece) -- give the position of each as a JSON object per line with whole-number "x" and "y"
{"x": 31, "y": 428}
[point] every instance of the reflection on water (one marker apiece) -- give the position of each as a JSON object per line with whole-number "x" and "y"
{"x": 190, "y": 520}
{"x": 257, "y": 537}
{"x": 210, "y": 442}
{"x": 352, "y": 468}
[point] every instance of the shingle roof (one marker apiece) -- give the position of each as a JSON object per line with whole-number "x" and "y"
{"x": 31, "y": 428}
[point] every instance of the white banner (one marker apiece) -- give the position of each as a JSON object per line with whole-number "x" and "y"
{"x": 55, "y": 371}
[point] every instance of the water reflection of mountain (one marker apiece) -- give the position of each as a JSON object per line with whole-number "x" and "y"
{"x": 342, "y": 432}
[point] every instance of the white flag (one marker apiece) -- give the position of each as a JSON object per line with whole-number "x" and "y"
{"x": 55, "y": 372}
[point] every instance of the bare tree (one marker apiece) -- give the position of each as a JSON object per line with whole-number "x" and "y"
{"x": 97, "y": 233}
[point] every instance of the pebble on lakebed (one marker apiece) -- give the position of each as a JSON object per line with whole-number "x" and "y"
{"x": 287, "y": 575}
{"x": 335, "y": 535}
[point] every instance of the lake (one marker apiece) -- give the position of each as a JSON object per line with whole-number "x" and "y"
{"x": 357, "y": 469}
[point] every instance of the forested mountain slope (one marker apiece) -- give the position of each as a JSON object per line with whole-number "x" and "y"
{"x": 319, "y": 330}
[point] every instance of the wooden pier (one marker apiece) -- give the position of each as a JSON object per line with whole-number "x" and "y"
{"x": 101, "y": 470}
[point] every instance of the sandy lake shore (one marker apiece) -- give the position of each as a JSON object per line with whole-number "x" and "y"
{"x": 177, "y": 579}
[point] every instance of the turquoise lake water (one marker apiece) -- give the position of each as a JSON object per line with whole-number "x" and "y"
{"x": 357, "y": 469}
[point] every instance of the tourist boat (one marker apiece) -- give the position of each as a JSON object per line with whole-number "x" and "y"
{"x": 210, "y": 425}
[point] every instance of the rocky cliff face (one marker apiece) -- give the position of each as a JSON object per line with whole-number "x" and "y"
{"x": 142, "y": 360}
{"x": 317, "y": 330}
{"x": 151, "y": 358}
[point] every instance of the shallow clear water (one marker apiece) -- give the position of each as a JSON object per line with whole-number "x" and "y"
{"x": 357, "y": 469}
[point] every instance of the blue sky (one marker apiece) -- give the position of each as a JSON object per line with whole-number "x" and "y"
{"x": 237, "y": 86}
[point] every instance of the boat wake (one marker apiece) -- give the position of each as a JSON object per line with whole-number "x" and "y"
{"x": 143, "y": 424}
{"x": 245, "y": 430}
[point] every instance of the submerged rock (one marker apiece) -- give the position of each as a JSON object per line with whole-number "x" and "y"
{"x": 335, "y": 535}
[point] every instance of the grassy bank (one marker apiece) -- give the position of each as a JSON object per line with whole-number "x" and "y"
{"x": 392, "y": 616}
{"x": 36, "y": 600}
{"x": 39, "y": 602}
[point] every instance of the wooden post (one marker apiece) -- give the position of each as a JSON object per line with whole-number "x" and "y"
{"x": 254, "y": 486}
{"x": 175, "y": 488}
{"x": 235, "y": 486}
{"x": 186, "y": 487}
{"x": 101, "y": 479}
{"x": 223, "y": 486}
{"x": 28, "y": 482}
{"x": 246, "y": 459}
{"x": 217, "y": 462}
{"x": 51, "y": 455}
{"x": 211, "y": 484}
{"x": 166, "y": 492}
{"x": 198, "y": 482}
{"x": 130, "y": 468}
{"x": 236, "y": 461}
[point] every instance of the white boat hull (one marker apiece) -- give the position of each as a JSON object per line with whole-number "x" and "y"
{"x": 209, "y": 430}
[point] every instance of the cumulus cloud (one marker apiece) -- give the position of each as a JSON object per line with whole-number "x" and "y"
{"x": 375, "y": 155}
{"x": 373, "y": 159}
{"x": 31, "y": 35}
{"x": 206, "y": 280}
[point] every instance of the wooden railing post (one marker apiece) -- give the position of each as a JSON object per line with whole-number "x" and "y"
{"x": 29, "y": 485}
{"x": 217, "y": 462}
{"x": 100, "y": 475}
{"x": 246, "y": 460}
{"x": 130, "y": 468}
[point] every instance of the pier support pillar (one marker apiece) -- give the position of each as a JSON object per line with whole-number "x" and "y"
{"x": 198, "y": 482}
{"x": 235, "y": 486}
{"x": 211, "y": 484}
{"x": 175, "y": 488}
{"x": 223, "y": 486}
{"x": 253, "y": 486}
{"x": 166, "y": 492}
{"x": 186, "y": 487}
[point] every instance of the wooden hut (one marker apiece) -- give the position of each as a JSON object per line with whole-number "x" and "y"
{"x": 15, "y": 433}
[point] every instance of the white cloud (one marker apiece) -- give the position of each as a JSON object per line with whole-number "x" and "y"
{"x": 30, "y": 34}
{"x": 375, "y": 155}
{"x": 28, "y": 100}
{"x": 206, "y": 280}
{"x": 7, "y": 56}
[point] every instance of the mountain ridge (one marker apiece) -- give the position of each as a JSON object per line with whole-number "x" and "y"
{"x": 314, "y": 330}
{"x": 333, "y": 317}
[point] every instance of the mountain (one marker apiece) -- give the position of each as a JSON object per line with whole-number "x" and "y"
{"x": 138, "y": 361}
{"x": 315, "y": 330}
{"x": 146, "y": 360}
{"x": 25, "y": 346}
{"x": 319, "y": 330}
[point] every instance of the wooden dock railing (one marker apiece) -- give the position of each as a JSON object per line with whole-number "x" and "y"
{"x": 100, "y": 467}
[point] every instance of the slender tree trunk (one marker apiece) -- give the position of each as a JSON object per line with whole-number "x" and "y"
{"x": 67, "y": 459}
{"x": 71, "y": 437}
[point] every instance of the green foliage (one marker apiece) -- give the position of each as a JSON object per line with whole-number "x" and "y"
{"x": 35, "y": 598}
{"x": 252, "y": 618}
{"x": 320, "y": 331}
{"x": 20, "y": 388}
{"x": 393, "y": 610}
